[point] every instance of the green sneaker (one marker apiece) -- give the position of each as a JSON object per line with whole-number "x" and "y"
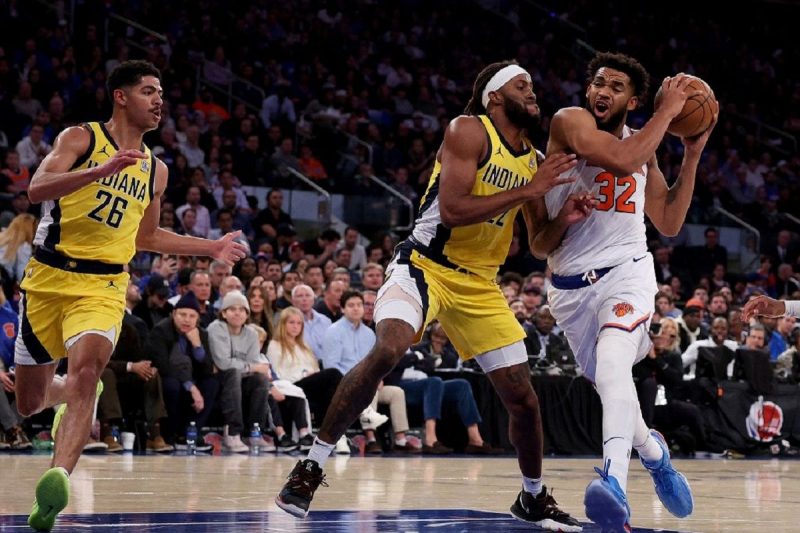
{"x": 52, "y": 495}
{"x": 63, "y": 409}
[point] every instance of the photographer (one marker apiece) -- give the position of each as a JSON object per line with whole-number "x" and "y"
{"x": 546, "y": 350}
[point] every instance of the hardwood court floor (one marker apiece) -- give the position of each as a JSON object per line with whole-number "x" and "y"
{"x": 235, "y": 493}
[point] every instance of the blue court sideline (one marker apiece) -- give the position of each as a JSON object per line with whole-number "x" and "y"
{"x": 438, "y": 520}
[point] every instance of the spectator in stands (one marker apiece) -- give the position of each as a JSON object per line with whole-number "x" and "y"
{"x": 190, "y": 147}
{"x": 330, "y": 303}
{"x": 230, "y": 283}
{"x": 261, "y": 313}
{"x": 274, "y": 272}
{"x": 200, "y": 285}
{"x": 785, "y": 250}
{"x": 181, "y": 353}
{"x": 18, "y": 175}
{"x": 666, "y": 305}
{"x": 154, "y": 306}
{"x": 246, "y": 270}
{"x": 315, "y": 279}
{"x": 286, "y": 236}
{"x": 369, "y": 308}
{"x": 227, "y": 182}
{"x": 691, "y": 323}
{"x": 779, "y": 338}
{"x": 268, "y": 219}
{"x": 322, "y": 247}
{"x": 756, "y": 337}
{"x": 250, "y": 163}
{"x": 786, "y": 284}
{"x": 202, "y": 224}
{"x": 532, "y": 298}
{"x": 372, "y": 277}
{"x": 16, "y": 248}
{"x": 719, "y": 337}
{"x": 423, "y": 390}
{"x": 312, "y": 167}
{"x": 293, "y": 360}
{"x": 358, "y": 254}
{"x": 12, "y": 434}
{"x": 246, "y": 372}
{"x": 289, "y": 280}
{"x": 314, "y": 323}
{"x": 718, "y": 306}
{"x": 225, "y": 224}
{"x": 345, "y": 344}
{"x": 278, "y": 108}
{"x": 284, "y": 159}
{"x": 711, "y": 253}
{"x": 130, "y": 380}
{"x": 544, "y": 347}
{"x": 33, "y": 149}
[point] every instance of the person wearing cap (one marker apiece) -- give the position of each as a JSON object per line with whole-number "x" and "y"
{"x": 691, "y": 323}
{"x": 181, "y": 353}
{"x": 235, "y": 350}
{"x": 154, "y": 306}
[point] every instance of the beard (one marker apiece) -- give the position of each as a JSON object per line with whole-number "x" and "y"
{"x": 610, "y": 124}
{"x": 518, "y": 115}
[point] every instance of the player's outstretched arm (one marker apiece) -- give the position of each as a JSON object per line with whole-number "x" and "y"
{"x": 464, "y": 144}
{"x": 54, "y": 179}
{"x": 667, "y": 206}
{"x": 155, "y": 239}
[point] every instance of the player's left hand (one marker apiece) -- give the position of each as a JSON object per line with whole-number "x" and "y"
{"x": 229, "y": 251}
{"x": 578, "y": 207}
{"x": 696, "y": 144}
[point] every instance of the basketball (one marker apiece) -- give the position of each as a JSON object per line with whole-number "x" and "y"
{"x": 697, "y": 113}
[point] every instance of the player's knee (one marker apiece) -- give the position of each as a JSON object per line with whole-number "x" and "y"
{"x": 83, "y": 380}
{"x": 29, "y": 406}
{"x": 524, "y": 404}
{"x": 388, "y": 353}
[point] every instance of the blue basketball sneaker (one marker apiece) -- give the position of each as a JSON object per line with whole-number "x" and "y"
{"x": 606, "y": 504}
{"x": 671, "y": 486}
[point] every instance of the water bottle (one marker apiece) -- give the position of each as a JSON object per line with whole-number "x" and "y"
{"x": 115, "y": 434}
{"x": 255, "y": 439}
{"x": 191, "y": 439}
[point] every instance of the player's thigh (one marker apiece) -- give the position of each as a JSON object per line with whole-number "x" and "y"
{"x": 477, "y": 318}
{"x": 408, "y": 295}
{"x": 92, "y": 322}
{"x": 40, "y": 339}
{"x": 575, "y": 313}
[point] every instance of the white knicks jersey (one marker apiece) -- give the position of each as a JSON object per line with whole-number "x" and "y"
{"x": 613, "y": 233}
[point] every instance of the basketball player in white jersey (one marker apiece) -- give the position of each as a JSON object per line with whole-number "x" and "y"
{"x": 603, "y": 282}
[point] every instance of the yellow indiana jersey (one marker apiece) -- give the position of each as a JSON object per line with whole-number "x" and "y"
{"x": 479, "y": 248}
{"x": 99, "y": 221}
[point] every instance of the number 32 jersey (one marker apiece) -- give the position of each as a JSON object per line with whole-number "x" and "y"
{"x": 100, "y": 221}
{"x": 615, "y": 230}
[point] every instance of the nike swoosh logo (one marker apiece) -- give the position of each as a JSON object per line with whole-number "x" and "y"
{"x": 637, "y": 259}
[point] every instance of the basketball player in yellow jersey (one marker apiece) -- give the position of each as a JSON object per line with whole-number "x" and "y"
{"x": 485, "y": 170}
{"x": 100, "y": 188}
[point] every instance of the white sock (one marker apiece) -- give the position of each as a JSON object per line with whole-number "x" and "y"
{"x": 320, "y": 452}
{"x": 532, "y": 485}
{"x": 63, "y": 470}
{"x": 649, "y": 450}
{"x": 401, "y": 442}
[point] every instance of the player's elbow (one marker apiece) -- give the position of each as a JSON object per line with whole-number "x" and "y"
{"x": 449, "y": 217}
{"x": 35, "y": 194}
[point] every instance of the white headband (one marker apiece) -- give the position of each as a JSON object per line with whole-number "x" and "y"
{"x": 503, "y": 76}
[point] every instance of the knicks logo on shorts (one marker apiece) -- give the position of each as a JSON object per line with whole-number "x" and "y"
{"x": 623, "y": 308}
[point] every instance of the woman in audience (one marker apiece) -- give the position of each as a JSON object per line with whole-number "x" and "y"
{"x": 16, "y": 247}
{"x": 261, "y": 313}
{"x": 294, "y": 361}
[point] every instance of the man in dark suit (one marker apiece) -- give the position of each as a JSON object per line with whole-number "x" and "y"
{"x": 181, "y": 353}
{"x": 784, "y": 251}
{"x": 543, "y": 345}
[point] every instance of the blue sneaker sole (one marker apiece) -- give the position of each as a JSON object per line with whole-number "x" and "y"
{"x": 604, "y": 509}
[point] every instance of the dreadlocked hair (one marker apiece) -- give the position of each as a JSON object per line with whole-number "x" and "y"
{"x": 640, "y": 79}
{"x": 475, "y": 106}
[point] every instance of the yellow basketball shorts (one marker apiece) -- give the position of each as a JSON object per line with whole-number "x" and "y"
{"x": 57, "y": 305}
{"x": 472, "y": 310}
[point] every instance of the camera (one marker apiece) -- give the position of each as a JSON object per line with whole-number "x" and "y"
{"x": 655, "y": 329}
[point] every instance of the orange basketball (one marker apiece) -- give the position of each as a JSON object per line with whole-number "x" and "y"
{"x": 697, "y": 113}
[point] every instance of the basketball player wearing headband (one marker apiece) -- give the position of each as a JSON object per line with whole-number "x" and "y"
{"x": 603, "y": 282}
{"x": 485, "y": 170}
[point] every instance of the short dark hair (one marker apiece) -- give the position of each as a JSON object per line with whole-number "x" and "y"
{"x": 346, "y": 295}
{"x": 130, "y": 73}
{"x": 640, "y": 79}
{"x": 330, "y": 235}
{"x": 225, "y": 211}
{"x": 709, "y": 230}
